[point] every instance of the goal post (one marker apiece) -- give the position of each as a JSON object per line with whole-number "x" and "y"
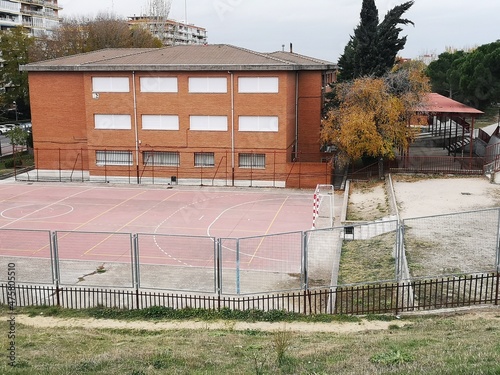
{"x": 323, "y": 206}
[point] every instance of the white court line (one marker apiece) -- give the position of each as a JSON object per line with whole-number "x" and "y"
{"x": 45, "y": 207}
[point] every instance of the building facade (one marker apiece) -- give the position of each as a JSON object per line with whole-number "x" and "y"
{"x": 36, "y": 16}
{"x": 214, "y": 114}
{"x": 171, "y": 32}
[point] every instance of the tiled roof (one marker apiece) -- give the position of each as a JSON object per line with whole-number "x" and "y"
{"x": 437, "y": 103}
{"x": 296, "y": 58}
{"x": 194, "y": 57}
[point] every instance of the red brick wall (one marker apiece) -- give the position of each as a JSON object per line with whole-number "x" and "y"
{"x": 310, "y": 99}
{"x": 63, "y": 117}
{"x": 58, "y": 117}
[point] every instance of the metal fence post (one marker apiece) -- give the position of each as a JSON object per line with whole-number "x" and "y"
{"x": 399, "y": 251}
{"x": 217, "y": 266}
{"x": 497, "y": 261}
{"x": 55, "y": 261}
{"x": 238, "y": 281}
{"x": 136, "y": 276}
{"x": 218, "y": 271}
{"x": 304, "y": 249}
{"x": 497, "y": 296}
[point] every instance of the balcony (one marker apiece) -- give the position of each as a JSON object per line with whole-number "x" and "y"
{"x": 8, "y": 7}
{"x": 8, "y": 21}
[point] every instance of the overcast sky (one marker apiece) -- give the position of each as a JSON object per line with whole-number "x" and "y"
{"x": 317, "y": 28}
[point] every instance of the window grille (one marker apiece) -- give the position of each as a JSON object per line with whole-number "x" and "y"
{"x": 161, "y": 158}
{"x": 113, "y": 158}
{"x": 252, "y": 161}
{"x": 204, "y": 159}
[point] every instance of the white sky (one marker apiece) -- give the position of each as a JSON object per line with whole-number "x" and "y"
{"x": 317, "y": 28}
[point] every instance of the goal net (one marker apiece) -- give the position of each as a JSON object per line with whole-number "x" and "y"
{"x": 323, "y": 208}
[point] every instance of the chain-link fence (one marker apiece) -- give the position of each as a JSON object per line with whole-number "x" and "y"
{"x": 384, "y": 250}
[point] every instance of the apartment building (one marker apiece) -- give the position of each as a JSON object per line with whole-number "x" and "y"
{"x": 211, "y": 114}
{"x": 171, "y": 32}
{"x": 37, "y": 16}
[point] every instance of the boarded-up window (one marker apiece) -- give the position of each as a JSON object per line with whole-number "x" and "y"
{"x": 207, "y": 84}
{"x": 115, "y": 122}
{"x": 160, "y": 122}
{"x": 258, "y": 85}
{"x": 158, "y": 84}
{"x": 258, "y": 123}
{"x": 208, "y": 123}
{"x": 110, "y": 84}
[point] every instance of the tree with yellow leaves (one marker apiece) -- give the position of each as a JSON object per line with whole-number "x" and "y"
{"x": 371, "y": 116}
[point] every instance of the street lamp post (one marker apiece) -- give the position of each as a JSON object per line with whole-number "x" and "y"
{"x": 498, "y": 104}
{"x": 15, "y": 108}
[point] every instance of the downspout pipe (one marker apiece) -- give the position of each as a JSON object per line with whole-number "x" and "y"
{"x": 296, "y": 114}
{"x": 232, "y": 129}
{"x": 136, "y": 130}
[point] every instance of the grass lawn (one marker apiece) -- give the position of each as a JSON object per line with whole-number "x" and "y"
{"x": 428, "y": 345}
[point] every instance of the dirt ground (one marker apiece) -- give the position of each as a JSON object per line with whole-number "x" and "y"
{"x": 418, "y": 196}
{"x": 334, "y": 327}
{"x": 445, "y": 219}
{"x": 49, "y": 322}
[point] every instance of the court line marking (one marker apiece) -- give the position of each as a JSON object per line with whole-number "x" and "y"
{"x": 18, "y": 195}
{"x": 2, "y": 214}
{"x": 231, "y": 238}
{"x": 134, "y": 219}
{"x": 47, "y": 206}
{"x": 295, "y": 196}
{"x": 267, "y": 231}
{"x": 43, "y": 208}
{"x": 155, "y": 232}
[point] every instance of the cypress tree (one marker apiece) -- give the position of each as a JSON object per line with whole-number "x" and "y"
{"x": 373, "y": 48}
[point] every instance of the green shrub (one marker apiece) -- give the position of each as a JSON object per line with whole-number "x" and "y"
{"x": 10, "y": 163}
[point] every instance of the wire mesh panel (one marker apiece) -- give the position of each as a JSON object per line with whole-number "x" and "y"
{"x": 269, "y": 263}
{"x": 449, "y": 244}
{"x": 29, "y": 253}
{"x": 229, "y": 278}
{"x": 94, "y": 259}
{"x": 169, "y": 262}
{"x": 322, "y": 255}
{"x": 368, "y": 252}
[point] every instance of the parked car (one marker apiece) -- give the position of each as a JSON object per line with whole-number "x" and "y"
{"x": 25, "y": 126}
{"x": 3, "y": 129}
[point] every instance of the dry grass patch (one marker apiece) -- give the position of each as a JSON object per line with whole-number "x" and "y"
{"x": 368, "y": 201}
{"x": 434, "y": 345}
{"x": 367, "y": 260}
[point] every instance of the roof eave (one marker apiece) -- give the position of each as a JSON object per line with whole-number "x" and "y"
{"x": 174, "y": 67}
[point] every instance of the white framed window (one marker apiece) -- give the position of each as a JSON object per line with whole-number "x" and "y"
{"x": 159, "y": 84}
{"x": 258, "y": 123}
{"x": 114, "y": 122}
{"x": 113, "y": 158}
{"x": 258, "y": 85}
{"x": 160, "y": 122}
{"x": 252, "y": 161}
{"x": 208, "y": 123}
{"x": 161, "y": 158}
{"x": 204, "y": 159}
{"x": 110, "y": 84}
{"x": 208, "y": 85}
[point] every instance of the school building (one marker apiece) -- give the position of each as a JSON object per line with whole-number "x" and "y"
{"x": 198, "y": 114}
